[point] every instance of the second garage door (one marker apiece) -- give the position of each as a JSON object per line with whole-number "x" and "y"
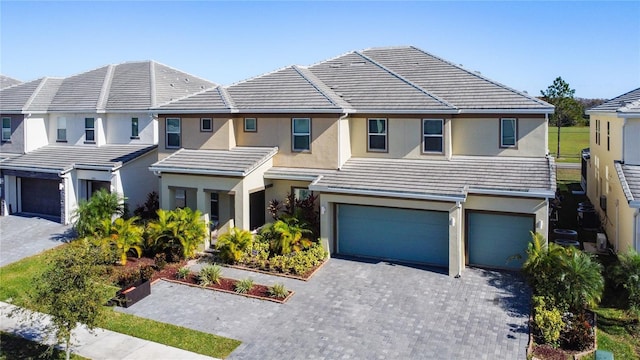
{"x": 408, "y": 235}
{"x": 494, "y": 240}
{"x": 40, "y": 196}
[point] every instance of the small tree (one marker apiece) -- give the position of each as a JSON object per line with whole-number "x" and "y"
{"x": 90, "y": 214}
{"x": 568, "y": 110}
{"x": 69, "y": 291}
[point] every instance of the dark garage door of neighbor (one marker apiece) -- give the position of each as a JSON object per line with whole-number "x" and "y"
{"x": 40, "y": 196}
{"x": 415, "y": 236}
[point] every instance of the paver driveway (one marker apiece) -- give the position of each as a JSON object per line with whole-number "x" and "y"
{"x": 23, "y": 236}
{"x": 360, "y": 310}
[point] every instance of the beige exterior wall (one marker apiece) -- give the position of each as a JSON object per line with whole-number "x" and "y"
{"x": 191, "y": 137}
{"x": 481, "y": 136}
{"x": 276, "y": 131}
{"x": 404, "y": 137}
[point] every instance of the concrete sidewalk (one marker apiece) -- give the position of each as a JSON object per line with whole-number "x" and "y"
{"x": 101, "y": 344}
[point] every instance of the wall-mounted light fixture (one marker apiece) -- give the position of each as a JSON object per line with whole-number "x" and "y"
{"x": 539, "y": 224}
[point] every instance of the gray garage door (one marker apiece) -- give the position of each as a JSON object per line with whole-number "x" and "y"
{"x": 493, "y": 240}
{"x": 40, "y": 196}
{"x": 407, "y": 235}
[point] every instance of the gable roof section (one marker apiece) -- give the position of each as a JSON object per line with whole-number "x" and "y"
{"x": 14, "y": 99}
{"x": 61, "y": 159}
{"x": 237, "y": 162}
{"x": 80, "y": 92}
{"x": 618, "y": 103}
{"x": 442, "y": 180}
{"x": 6, "y": 81}
{"x": 629, "y": 176}
{"x": 368, "y": 87}
{"x": 170, "y": 84}
{"x": 212, "y": 100}
{"x": 464, "y": 89}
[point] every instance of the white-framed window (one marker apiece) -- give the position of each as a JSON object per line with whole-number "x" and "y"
{"x": 6, "y": 129}
{"x": 250, "y": 125}
{"x": 173, "y": 133}
{"x": 301, "y": 134}
{"x": 301, "y": 193}
{"x": 206, "y": 124}
{"x": 377, "y": 135}
{"x": 432, "y": 135}
{"x": 61, "y": 133}
{"x": 608, "y": 136}
{"x": 597, "y": 132}
{"x": 135, "y": 132}
{"x": 508, "y": 132}
{"x": 181, "y": 198}
{"x": 89, "y": 129}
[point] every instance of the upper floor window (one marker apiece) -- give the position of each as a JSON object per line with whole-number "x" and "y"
{"x": 135, "y": 134}
{"x": 250, "y": 124}
{"x": 597, "y": 132}
{"x": 508, "y": 132}
{"x": 89, "y": 129}
{"x": 173, "y": 133}
{"x": 608, "y": 136}
{"x": 433, "y": 135}
{"x": 206, "y": 124}
{"x": 61, "y": 134}
{"x": 301, "y": 133}
{"x": 6, "y": 129}
{"x": 377, "y": 135}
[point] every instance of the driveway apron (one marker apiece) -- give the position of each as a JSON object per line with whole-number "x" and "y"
{"x": 360, "y": 310}
{"x": 24, "y": 236}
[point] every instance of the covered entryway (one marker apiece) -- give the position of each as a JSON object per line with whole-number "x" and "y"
{"x": 495, "y": 239}
{"x": 406, "y": 235}
{"x": 40, "y": 196}
{"x": 257, "y": 209}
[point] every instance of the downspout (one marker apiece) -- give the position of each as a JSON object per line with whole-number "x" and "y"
{"x": 636, "y": 215}
{"x": 624, "y": 124}
{"x": 461, "y": 256}
{"x": 546, "y": 131}
{"x": 340, "y": 139}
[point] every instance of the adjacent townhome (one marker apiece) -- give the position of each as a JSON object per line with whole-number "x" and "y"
{"x": 65, "y": 138}
{"x": 413, "y": 158}
{"x": 6, "y": 81}
{"x": 613, "y": 169}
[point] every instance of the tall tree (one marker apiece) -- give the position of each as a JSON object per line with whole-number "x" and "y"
{"x": 568, "y": 109}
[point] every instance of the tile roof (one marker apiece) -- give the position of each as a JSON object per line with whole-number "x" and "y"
{"x": 210, "y": 100}
{"x": 304, "y": 174}
{"x": 629, "y": 176}
{"x": 619, "y": 102}
{"x": 239, "y": 161}
{"x": 15, "y": 98}
{"x": 462, "y": 88}
{"x": 6, "y": 81}
{"x": 56, "y": 158}
{"x": 450, "y": 180}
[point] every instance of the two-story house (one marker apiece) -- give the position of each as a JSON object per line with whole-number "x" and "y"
{"x": 613, "y": 170}
{"x": 413, "y": 158}
{"x": 65, "y": 138}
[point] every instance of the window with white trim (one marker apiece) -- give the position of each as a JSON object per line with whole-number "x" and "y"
{"x": 6, "y": 129}
{"x": 432, "y": 135}
{"x": 61, "y": 133}
{"x": 206, "y": 124}
{"x": 301, "y": 134}
{"x": 608, "y": 136}
{"x": 597, "y": 132}
{"x": 301, "y": 193}
{"x": 508, "y": 132}
{"x": 89, "y": 129}
{"x": 172, "y": 133}
{"x": 135, "y": 133}
{"x": 181, "y": 198}
{"x": 377, "y": 135}
{"x": 250, "y": 125}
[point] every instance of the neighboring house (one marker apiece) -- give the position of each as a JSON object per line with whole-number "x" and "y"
{"x": 414, "y": 159}
{"x": 65, "y": 138}
{"x": 6, "y": 81}
{"x": 613, "y": 170}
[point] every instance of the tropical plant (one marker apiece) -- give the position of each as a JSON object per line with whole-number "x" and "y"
{"x": 183, "y": 272}
{"x": 160, "y": 261}
{"x": 626, "y": 273}
{"x": 580, "y": 278}
{"x": 578, "y": 333}
{"x": 547, "y": 320}
{"x": 291, "y": 237}
{"x": 125, "y": 235}
{"x": 233, "y": 244}
{"x": 278, "y": 291}
{"x": 178, "y": 231}
{"x": 103, "y": 205}
{"x": 210, "y": 274}
{"x": 244, "y": 286}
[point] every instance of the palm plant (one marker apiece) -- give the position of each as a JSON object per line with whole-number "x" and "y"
{"x": 125, "y": 235}
{"x": 581, "y": 282}
{"x": 190, "y": 230}
{"x": 626, "y": 273}
{"x": 291, "y": 237}
{"x": 162, "y": 232}
{"x": 102, "y": 205}
{"x": 233, "y": 244}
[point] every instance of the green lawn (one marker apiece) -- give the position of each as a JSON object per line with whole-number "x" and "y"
{"x": 15, "y": 287}
{"x": 572, "y": 141}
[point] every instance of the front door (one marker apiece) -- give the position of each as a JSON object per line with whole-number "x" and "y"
{"x": 257, "y": 209}
{"x": 214, "y": 210}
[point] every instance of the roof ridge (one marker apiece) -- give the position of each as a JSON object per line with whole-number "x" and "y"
{"x": 34, "y": 93}
{"x": 226, "y": 97}
{"x": 541, "y": 102}
{"x": 152, "y": 83}
{"x": 106, "y": 88}
{"x": 313, "y": 81}
{"x": 406, "y": 80}
{"x": 257, "y": 76}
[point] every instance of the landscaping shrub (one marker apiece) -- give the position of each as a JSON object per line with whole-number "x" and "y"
{"x": 578, "y": 334}
{"x": 244, "y": 286}
{"x": 127, "y": 277}
{"x": 160, "y": 260}
{"x": 233, "y": 244}
{"x": 547, "y": 320}
{"x": 146, "y": 272}
{"x": 278, "y": 291}
{"x": 306, "y": 211}
{"x": 210, "y": 274}
{"x": 183, "y": 273}
{"x": 102, "y": 206}
{"x": 298, "y": 263}
{"x": 626, "y": 273}
{"x": 291, "y": 237}
{"x": 124, "y": 235}
{"x": 177, "y": 232}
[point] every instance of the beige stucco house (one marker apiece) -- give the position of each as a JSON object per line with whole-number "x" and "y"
{"x": 613, "y": 170}
{"x": 414, "y": 159}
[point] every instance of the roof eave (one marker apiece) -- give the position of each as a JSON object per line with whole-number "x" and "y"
{"x": 630, "y": 114}
{"x": 288, "y": 111}
{"x": 634, "y": 204}
{"x": 381, "y": 193}
{"x": 192, "y": 171}
{"x": 58, "y": 171}
{"x": 507, "y": 111}
{"x": 402, "y": 111}
{"x": 290, "y": 177}
{"x": 193, "y": 111}
{"x": 533, "y": 193}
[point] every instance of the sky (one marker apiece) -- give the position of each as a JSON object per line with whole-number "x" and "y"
{"x": 594, "y": 46}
